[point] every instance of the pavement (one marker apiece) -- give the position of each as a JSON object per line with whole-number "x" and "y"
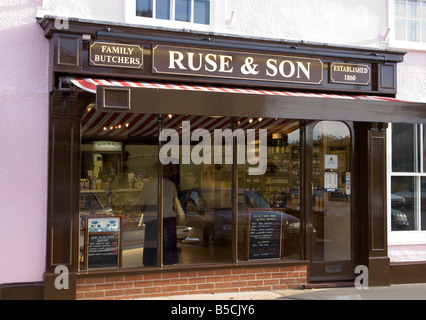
{"x": 393, "y": 292}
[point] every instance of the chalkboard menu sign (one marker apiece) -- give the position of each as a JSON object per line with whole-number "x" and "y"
{"x": 264, "y": 234}
{"x": 103, "y": 247}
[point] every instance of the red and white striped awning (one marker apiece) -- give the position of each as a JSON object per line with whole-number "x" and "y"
{"x": 122, "y": 125}
{"x": 90, "y": 84}
{"x": 327, "y": 107}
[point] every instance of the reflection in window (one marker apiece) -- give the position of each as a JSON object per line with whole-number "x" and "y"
{"x": 423, "y": 203}
{"x": 277, "y": 189}
{"x": 404, "y": 203}
{"x": 202, "y": 11}
{"x": 162, "y": 8}
{"x": 144, "y": 8}
{"x": 119, "y": 177}
{"x": 331, "y": 194}
{"x": 408, "y": 181}
{"x": 183, "y": 10}
{"x": 404, "y": 147}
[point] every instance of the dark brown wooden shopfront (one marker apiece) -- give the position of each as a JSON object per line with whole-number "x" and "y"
{"x": 72, "y": 55}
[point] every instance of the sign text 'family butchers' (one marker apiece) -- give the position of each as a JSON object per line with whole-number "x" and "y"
{"x": 116, "y": 55}
{"x": 236, "y": 65}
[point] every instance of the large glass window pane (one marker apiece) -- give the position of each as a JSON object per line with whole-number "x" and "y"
{"x": 162, "y": 9}
{"x": 118, "y": 179}
{"x": 183, "y": 10}
{"x": 413, "y": 30}
{"x": 400, "y": 8}
{"x": 204, "y": 188}
{"x": 404, "y": 201}
{"x": 274, "y": 191}
{"x": 423, "y": 203}
{"x": 400, "y": 29}
{"x": 202, "y": 11}
{"x": 144, "y": 8}
{"x": 404, "y": 147}
{"x": 424, "y": 149}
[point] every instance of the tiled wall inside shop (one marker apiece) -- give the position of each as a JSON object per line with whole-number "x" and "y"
{"x": 191, "y": 282}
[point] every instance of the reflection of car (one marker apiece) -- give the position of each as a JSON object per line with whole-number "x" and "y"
{"x": 209, "y": 213}
{"x": 399, "y": 220}
{"x": 90, "y": 204}
{"x": 410, "y": 196}
{"x": 397, "y": 201}
{"x": 280, "y": 201}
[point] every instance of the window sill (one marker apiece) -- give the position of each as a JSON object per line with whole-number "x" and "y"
{"x": 407, "y": 45}
{"x": 406, "y": 238}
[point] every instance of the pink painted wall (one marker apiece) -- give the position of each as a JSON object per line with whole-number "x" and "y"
{"x": 23, "y": 142}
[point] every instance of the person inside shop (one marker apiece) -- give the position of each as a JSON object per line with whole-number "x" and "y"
{"x": 149, "y": 199}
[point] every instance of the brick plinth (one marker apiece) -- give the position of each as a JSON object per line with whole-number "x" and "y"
{"x": 191, "y": 282}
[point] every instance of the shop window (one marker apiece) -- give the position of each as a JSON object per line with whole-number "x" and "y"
{"x": 190, "y": 11}
{"x": 277, "y": 189}
{"x": 120, "y": 164}
{"x": 408, "y": 178}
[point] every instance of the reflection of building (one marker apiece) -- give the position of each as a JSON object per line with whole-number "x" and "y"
{"x": 238, "y": 75}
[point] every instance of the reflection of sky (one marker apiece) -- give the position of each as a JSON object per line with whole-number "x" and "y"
{"x": 294, "y": 137}
{"x": 337, "y": 129}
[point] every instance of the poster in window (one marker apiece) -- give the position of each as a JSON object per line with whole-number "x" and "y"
{"x": 103, "y": 242}
{"x": 264, "y": 234}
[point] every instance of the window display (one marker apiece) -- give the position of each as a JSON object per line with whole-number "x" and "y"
{"x": 123, "y": 155}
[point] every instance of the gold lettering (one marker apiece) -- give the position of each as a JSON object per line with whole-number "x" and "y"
{"x": 272, "y": 65}
{"x": 175, "y": 58}
{"x": 211, "y": 60}
{"x": 224, "y": 64}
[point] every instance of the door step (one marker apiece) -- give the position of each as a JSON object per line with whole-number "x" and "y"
{"x": 331, "y": 284}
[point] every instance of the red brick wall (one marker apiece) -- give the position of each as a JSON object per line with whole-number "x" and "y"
{"x": 191, "y": 282}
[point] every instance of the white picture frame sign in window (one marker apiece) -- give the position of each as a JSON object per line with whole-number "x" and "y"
{"x": 174, "y": 14}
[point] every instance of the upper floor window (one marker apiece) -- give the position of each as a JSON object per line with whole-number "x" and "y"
{"x": 408, "y": 22}
{"x": 193, "y": 11}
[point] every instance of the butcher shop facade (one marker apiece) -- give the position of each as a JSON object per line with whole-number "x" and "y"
{"x": 185, "y": 162}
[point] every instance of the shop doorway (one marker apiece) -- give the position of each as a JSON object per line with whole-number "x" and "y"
{"x": 330, "y": 212}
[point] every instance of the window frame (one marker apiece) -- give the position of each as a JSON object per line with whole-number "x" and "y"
{"x": 400, "y": 44}
{"x": 131, "y": 17}
{"x": 407, "y": 237}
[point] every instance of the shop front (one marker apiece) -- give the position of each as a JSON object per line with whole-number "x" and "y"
{"x": 184, "y": 162}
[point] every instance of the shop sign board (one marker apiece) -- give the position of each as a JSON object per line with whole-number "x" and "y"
{"x": 108, "y": 54}
{"x": 236, "y": 65}
{"x": 264, "y": 234}
{"x": 103, "y": 247}
{"x": 350, "y": 73}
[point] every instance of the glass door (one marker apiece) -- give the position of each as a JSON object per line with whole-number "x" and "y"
{"x": 331, "y": 209}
